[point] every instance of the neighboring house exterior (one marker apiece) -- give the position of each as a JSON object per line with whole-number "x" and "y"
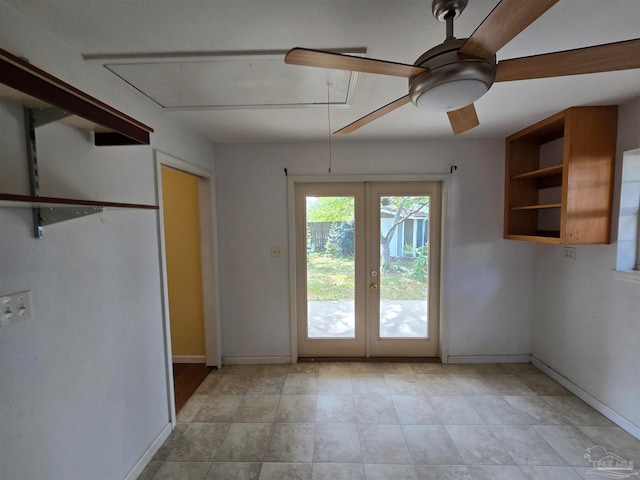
{"x": 410, "y": 235}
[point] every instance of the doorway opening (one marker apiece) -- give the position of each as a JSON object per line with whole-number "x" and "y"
{"x": 189, "y": 282}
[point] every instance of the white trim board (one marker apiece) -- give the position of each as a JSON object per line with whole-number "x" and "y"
{"x": 444, "y": 254}
{"x": 148, "y": 454}
{"x": 469, "y": 359}
{"x": 631, "y": 276}
{"x": 256, "y": 360}
{"x": 209, "y": 247}
{"x": 612, "y": 415}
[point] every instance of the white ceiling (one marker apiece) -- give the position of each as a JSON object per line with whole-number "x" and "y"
{"x": 398, "y": 30}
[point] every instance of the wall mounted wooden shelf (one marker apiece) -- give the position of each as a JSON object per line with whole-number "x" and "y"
{"x": 559, "y": 178}
{"x": 46, "y": 99}
{"x": 34, "y": 88}
{"x": 29, "y": 201}
{"x": 538, "y": 207}
{"x": 50, "y": 210}
{"x": 542, "y": 173}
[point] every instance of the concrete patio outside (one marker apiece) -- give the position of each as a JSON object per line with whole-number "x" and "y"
{"x": 398, "y": 319}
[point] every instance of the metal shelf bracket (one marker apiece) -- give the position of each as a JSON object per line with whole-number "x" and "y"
{"x": 34, "y": 118}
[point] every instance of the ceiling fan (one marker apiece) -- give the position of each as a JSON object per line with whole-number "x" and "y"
{"x": 451, "y": 76}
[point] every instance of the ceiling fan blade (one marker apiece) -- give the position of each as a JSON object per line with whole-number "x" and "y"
{"x": 600, "y": 58}
{"x": 338, "y": 61}
{"x": 463, "y": 119}
{"x": 361, "y": 122}
{"x": 505, "y": 21}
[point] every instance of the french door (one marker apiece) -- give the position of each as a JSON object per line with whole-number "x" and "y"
{"x": 368, "y": 268}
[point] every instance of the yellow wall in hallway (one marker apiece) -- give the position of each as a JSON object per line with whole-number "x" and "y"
{"x": 182, "y": 240}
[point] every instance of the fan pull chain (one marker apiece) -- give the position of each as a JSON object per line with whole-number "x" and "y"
{"x": 329, "y": 122}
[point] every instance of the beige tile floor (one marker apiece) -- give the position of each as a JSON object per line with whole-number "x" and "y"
{"x": 375, "y": 421}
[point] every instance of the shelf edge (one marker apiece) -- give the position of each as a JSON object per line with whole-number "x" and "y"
{"x": 13, "y": 200}
{"x": 533, "y": 238}
{"x": 541, "y": 173}
{"x": 20, "y": 75}
{"x": 538, "y": 207}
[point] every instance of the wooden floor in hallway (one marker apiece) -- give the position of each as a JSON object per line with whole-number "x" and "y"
{"x": 186, "y": 378}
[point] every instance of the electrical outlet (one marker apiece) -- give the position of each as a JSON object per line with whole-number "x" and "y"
{"x": 570, "y": 253}
{"x": 277, "y": 251}
{"x": 15, "y": 307}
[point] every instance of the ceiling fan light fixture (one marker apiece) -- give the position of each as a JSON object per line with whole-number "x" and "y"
{"x": 452, "y": 86}
{"x": 451, "y": 95}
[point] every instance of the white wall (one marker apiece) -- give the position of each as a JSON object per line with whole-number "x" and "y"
{"x": 82, "y": 385}
{"x": 488, "y": 281}
{"x": 587, "y": 323}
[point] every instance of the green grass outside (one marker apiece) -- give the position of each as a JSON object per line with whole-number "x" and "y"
{"x": 331, "y": 279}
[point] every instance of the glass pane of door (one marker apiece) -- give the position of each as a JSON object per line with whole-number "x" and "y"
{"x": 404, "y": 266}
{"x": 330, "y": 268}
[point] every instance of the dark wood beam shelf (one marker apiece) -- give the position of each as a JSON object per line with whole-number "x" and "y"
{"x": 50, "y": 210}
{"x": 34, "y": 88}
{"x": 29, "y": 201}
{"x": 46, "y": 99}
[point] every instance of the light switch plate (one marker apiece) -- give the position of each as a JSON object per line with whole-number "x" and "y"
{"x": 570, "y": 253}
{"x": 15, "y": 307}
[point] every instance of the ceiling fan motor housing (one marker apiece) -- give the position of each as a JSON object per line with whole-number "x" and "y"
{"x": 453, "y": 80}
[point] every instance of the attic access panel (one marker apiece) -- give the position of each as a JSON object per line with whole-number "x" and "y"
{"x": 212, "y": 81}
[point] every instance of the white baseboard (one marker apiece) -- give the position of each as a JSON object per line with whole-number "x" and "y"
{"x": 149, "y": 453}
{"x": 615, "y": 417}
{"x": 188, "y": 359}
{"x": 255, "y": 360}
{"x": 488, "y": 358}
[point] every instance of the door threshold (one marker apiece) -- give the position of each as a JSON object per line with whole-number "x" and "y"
{"x": 370, "y": 359}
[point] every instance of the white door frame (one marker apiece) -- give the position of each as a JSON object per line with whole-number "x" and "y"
{"x": 376, "y": 344}
{"x": 344, "y": 347}
{"x": 209, "y": 259}
{"x": 445, "y": 178}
